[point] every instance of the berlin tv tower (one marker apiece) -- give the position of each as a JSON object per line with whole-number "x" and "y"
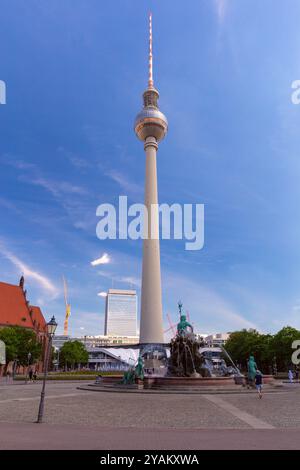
{"x": 151, "y": 127}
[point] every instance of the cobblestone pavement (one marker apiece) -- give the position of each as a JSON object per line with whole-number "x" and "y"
{"x": 36, "y": 436}
{"x": 66, "y": 405}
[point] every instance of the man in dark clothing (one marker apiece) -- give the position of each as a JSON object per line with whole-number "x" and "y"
{"x": 258, "y": 383}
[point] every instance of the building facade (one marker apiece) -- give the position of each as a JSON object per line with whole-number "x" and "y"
{"x": 120, "y": 313}
{"x": 110, "y": 340}
{"x": 15, "y": 310}
{"x": 217, "y": 339}
{"x": 112, "y": 359}
{"x": 96, "y": 341}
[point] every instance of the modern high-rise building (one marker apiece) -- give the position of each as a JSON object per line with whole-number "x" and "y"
{"x": 121, "y": 313}
{"x": 151, "y": 126}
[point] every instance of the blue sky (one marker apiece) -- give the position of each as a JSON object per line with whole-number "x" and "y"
{"x": 75, "y": 71}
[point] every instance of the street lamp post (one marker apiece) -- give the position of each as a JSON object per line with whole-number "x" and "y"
{"x": 57, "y": 359}
{"x": 51, "y": 327}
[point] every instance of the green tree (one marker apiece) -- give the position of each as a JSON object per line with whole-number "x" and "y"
{"x": 28, "y": 343}
{"x": 73, "y": 352}
{"x": 281, "y": 346}
{"x": 18, "y": 343}
{"x": 242, "y": 344}
{"x": 9, "y": 336}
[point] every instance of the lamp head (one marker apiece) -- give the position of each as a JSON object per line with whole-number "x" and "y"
{"x": 51, "y": 327}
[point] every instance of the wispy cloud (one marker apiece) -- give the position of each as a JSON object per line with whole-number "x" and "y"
{"x": 128, "y": 186}
{"x": 221, "y": 9}
{"x": 76, "y": 161}
{"x": 56, "y": 188}
{"x": 28, "y": 272}
{"x": 16, "y": 163}
{"x": 73, "y": 198}
{"x": 131, "y": 280}
{"x": 8, "y": 205}
{"x": 207, "y": 307}
{"x": 63, "y": 191}
{"x": 91, "y": 323}
{"x": 104, "y": 259}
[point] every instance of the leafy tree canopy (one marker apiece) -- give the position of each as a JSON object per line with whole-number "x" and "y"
{"x": 19, "y": 342}
{"x": 282, "y": 345}
{"x": 266, "y": 348}
{"x": 73, "y": 352}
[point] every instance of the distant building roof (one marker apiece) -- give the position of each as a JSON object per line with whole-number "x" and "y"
{"x": 15, "y": 309}
{"x": 122, "y": 291}
{"x": 129, "y": 356}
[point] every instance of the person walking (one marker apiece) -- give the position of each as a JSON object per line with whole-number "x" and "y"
{"x": 8, "y": 376}
{"x": 291, "y": 376}
{"x": 30, "y": 374}
{"x": 259, "y": 383}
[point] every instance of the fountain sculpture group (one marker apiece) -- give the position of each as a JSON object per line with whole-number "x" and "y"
{"x": 185, "y": 364}
{"x": 185, "y": 360}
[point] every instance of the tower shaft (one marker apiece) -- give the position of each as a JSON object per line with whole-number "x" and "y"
{"x": 151, "y": 126}
{"x": 151, "y": 323}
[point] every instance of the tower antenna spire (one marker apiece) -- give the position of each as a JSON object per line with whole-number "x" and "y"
{"x": 150, "y": 80}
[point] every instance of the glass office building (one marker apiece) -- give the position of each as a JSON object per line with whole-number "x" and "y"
{"x": 121, "y": 313}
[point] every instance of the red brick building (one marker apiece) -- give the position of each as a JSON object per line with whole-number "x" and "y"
{"x": 15, "y": 310}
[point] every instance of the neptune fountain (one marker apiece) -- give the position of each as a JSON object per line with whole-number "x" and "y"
{"x": 186, "y": 356}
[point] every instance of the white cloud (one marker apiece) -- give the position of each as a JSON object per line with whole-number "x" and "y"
{"x": 124, "y": 279}
{"x": 8, "y": 205}
{"x": 27, "y": 272}
{"x": 78, "y": 162}
{"x": 104, "y": 259}
{"x": 17, "y": 164}
{"x": 102, "y": 294}
{"x": 86, "y": 323}
{"x": 40, "y": 302}
{"x": 56, "y": 188}
{"x": 129, "y": 187}
{"x": 131, "y": 280}
{"x": 221, "y": 8}
{"x": 208, "y": 309}
{"x": 73, "y": 198}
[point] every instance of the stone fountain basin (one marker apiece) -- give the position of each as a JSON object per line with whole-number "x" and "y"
{"x": 174, "y": 382}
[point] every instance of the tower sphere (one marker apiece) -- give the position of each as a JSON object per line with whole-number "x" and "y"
{"x": 151, "y": 122}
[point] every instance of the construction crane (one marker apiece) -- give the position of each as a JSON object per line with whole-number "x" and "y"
{"x": 68, "y": 307}
{"x": 172, "y": 326}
